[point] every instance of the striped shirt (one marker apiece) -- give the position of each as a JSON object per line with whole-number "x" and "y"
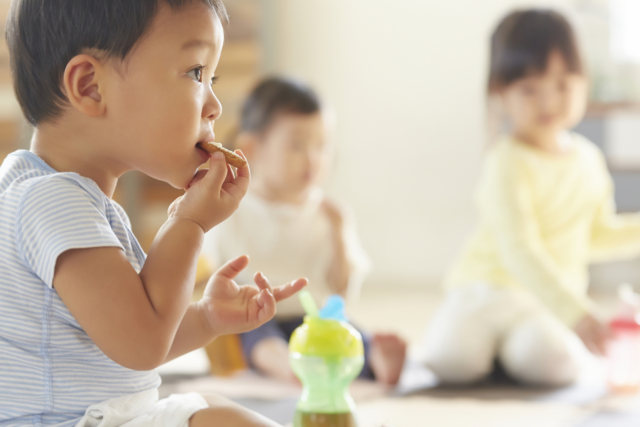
{"x": 50, "y": 370}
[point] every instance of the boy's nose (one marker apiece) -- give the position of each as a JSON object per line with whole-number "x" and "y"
{"x": 212, "y": 108}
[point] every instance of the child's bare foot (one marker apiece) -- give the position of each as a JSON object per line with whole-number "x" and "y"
{"x": 387, "y": 357}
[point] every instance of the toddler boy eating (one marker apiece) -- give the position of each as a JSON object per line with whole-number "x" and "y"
{"x": 85, "y": 315}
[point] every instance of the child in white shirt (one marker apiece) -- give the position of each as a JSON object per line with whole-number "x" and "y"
{"x": 288, "y": 226}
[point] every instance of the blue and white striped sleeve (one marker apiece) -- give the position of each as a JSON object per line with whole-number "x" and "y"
{"x": 55, "y": 214}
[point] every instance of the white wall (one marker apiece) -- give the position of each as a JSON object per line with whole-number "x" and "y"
{"x": 407, "y": 76}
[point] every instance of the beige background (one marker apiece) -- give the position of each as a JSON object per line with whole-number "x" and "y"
{"x": 407, "y": 76}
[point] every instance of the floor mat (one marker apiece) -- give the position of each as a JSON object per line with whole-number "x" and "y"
{"x": 437, "y": 412}
{"x": 420, "y": 401}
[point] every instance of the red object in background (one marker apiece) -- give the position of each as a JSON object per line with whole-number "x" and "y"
{"x": 623, "y": 355}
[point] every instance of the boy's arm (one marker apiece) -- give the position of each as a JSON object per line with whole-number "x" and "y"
{"x": 349, "y": 263}
{"x": 227, "y": 308}
{"x": 133, "y": 317}
{"x": 340, "y": 269}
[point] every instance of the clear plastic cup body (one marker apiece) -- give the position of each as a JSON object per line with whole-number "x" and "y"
{"x": 325, "y": 399}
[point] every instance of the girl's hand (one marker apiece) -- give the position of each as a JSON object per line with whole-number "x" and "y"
{"x": 230, "y": 308}
{"x": 593, "y": 334}
{"x": 213, "y": 194}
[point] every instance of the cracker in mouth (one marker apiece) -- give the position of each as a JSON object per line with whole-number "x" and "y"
{"x": 232, "y": 158}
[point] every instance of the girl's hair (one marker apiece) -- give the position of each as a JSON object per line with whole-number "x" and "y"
{"x": 523, "y": 41}
{"x": 274, "y": 96}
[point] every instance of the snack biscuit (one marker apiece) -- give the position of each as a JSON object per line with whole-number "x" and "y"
{"x": 232, "y": 158}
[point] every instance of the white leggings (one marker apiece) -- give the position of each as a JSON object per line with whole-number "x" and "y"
{"x": 479, "y": 323}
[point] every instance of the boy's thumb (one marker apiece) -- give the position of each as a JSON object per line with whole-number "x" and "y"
{"x": 197, "y": 177}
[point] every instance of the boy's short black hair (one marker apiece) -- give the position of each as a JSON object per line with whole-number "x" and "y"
{"x": 523, "y": 41}
{"x": 43, "y": 36}
{"x": 273, "y": 96}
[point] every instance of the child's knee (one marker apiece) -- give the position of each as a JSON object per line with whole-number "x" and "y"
{"x": 222, "y": 411}
{"x": 541, "y": 351}
{"x": 459, "y": 350}
{"x": 459, "y": 369}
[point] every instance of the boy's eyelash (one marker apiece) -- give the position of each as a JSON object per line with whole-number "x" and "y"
{"x": 200, "y": 70}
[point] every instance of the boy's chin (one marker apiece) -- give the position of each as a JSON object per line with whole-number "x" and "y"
{"x": 179, "y": 181}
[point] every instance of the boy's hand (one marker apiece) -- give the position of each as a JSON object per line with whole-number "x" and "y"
{"x": 230, "y": 308}
{"x": 213, "y": 194}
{"x": 333, "y": 213}
{"x": 593, "y": 334}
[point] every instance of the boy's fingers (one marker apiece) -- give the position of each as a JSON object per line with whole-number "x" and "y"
{"x": 217, "y": 171}
{"x": 285, "y": 291}
{"x": 262, "y": 282}
{"x": 267, "y": 304}
{"x": 245, "y": 170}
{"x": 230, "y": 175}
{"x": 241, "y": 182}
{"x": 232, "y": 268}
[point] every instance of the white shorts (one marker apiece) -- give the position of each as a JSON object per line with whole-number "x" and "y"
{"x": 144, "y": 410}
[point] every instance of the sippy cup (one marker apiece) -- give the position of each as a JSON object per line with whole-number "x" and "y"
{"x": 326, "y": 354}
{"x": 623, "y": 349}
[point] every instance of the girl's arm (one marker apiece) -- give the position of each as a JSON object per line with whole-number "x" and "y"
{"x": 614, "y": 236}
{"x": 508, "y": 206}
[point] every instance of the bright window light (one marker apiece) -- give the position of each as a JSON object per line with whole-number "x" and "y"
{"x": 625, "y": 30}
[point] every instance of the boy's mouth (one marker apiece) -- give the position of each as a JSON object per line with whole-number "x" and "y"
{"x": 205, "y": 156}
{"x": 203, "y": 153}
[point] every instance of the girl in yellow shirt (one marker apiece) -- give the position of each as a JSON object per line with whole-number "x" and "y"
{"x": 518, "y": 290}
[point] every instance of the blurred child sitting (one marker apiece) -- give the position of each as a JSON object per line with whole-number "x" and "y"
{"x": 518, "y": 292}
{"x": 288, "y": 226}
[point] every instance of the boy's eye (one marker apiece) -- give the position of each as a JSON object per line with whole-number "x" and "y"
{"x": 214, "y": 80}
{"x": 196, "y": 74}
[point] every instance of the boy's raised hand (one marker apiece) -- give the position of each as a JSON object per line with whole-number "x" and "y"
{"x": 230, "y": 308}
{"x": 213, "y": 194}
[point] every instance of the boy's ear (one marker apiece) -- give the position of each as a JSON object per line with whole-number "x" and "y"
{"x": 82, "y": 85}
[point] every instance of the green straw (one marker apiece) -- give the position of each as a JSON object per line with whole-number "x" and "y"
{"x": 308, "y": 303}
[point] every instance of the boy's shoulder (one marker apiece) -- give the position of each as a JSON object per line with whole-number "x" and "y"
{"x": 33, "y": 191}
{"x": 26, "y": 173}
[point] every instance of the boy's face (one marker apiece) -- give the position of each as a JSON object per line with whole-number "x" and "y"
{"x": 547, "y": 103}
{"x": 160, "y": 102}
{"x": 294, "y": 153}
